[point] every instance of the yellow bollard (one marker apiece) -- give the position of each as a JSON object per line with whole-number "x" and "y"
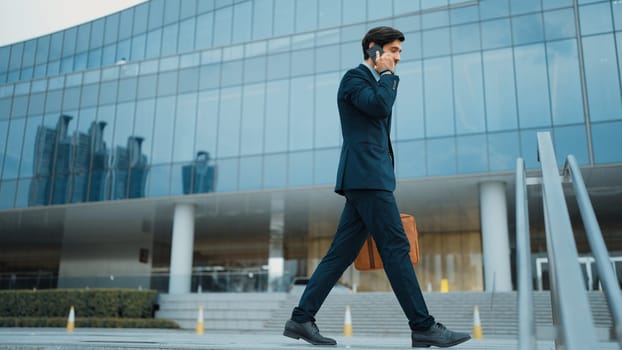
{"x": 444, "y": 285}
{"x": 71, "y": 320}
{"x": 477, "y": 324}
{"x": 200, "y": 323}
{"x": 347, "y": 324}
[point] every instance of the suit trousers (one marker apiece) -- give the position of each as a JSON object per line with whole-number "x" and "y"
{"x": 375, "y": 212}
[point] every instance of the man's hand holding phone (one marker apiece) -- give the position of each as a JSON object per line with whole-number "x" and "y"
{"x": 383, "y": 61}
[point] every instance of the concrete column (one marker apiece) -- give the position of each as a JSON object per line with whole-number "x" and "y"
{"x": 182, "y": 249}
{"x": 276, "y": 261}
{"x": 495, "y": 237}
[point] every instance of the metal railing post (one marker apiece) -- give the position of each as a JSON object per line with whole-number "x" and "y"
{"x": 526, "y": 323}
{"x": 567, "y": 287}
{"x": 599, "y": 249}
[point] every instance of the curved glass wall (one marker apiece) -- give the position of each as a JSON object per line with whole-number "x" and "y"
{"x": 148, "y": 103}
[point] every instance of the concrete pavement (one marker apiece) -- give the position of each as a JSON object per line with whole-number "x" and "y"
{"x": 100, "y": 338}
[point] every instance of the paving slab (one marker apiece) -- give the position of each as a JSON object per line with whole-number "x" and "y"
{"x": 123, "y": 339}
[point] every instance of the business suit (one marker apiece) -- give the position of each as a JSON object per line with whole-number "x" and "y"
{"x": 366, "y": 178}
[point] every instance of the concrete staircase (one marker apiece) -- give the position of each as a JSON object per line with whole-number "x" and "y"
{"x": 372, "y": 313}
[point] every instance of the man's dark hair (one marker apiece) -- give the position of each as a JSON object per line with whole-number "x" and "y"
{"x": 381, "y": 36}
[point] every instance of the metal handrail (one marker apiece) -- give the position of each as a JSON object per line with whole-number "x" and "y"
{"x": 571, "y": 312}
{"x": 595, "y": 237}
{"x": 526, "y": 322}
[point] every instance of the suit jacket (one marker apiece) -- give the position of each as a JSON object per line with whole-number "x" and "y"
{"x": 365, "y": 107}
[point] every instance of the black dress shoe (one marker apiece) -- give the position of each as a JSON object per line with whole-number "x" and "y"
{"x": 307, "y": 331}
{"x": 438, "y": 335}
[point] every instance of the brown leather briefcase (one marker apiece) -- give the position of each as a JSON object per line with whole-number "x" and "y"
{"x": 369, "y": 258}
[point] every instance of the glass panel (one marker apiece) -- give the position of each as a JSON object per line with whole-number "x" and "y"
{"x": 250, "y": 173}
{"x": 499, "y": 89}
{"x": 186, "y": 33}
{"x": 13, "y": 151}
{"x": 183, "y": 146}
{"x": 143, "y": 127}
{"x": 242, "y": 22}
{"x": 525, "y": 6}
{"x": 493, "y": 8}
{"x": 207, "y": 122}
{"x": 171, "y": 11}
{"x": 4, "y": 129}
{"x": 7, "y": 194}
{"x": 89, "y": 95}
{"x": 327, "y": 126}
{"x": 617, "y": 14}
{"x": 595, "y": 18}
{"x": 439, "y": 116}
{"x": 177, "y": 180}
{"x": 71, "y": 100}
{"x": 188, "y": 80}
{"x": 29, "y": 53}
{"x": 532, "y": 86}
{"x": 159, "y": 180}
{"x": 232, "y": 73}
{"x": 464, "y": 14}
{"x": 503, "y": 151}
{"x": 278, "y": 66}
{"x": 283, "y": 17}
{"x": 66, "y": 65}
{"x": 300, "y": 169}
{"x": 169, "y": 39}
{"x": 607, "y": 142}
{"x": 162, "y": 136}
{"x": 255, "y": 69}
{"x": 167, "y": 83}
{"x": 252, "y": 120}
{"x": 570, "y": 140}
{"x": 97, "y": 33}
{"x": 222, "y": 26}
{"x": 355, "y": 12}
{"x": 36, "y": 104}
{"x": 274, "y": 171}
{"x": 405, "y": 6}
{"x": 188, "y": 8}
{"x": 302, "y": 62}
{"x": 469, "y": 94}
{"x": 276, "y": 116}
{"x": 125, "y": 23}
{"x": 325, "y": 166}
{"x": 226, "y": 175}
{"x": 559, "y": 24}
{"x": 434, "y": 19}
{"x": 441, "y": 156}
{"x": 112, "y": 29}
{"x": 465, "y": 38}
{"x": 436, "y": 42}
{"x": 154, "y": 43}
{"x": 205, "y": 26}
{"x": 301, "y": 113}
{"x": 550, "y": 4}
{"x": 306, "y": 15}
{"x": 329, "y": 13}
{"x": 127, "y": 89}
{"x": 205, "y": 5}
{"x": 147, "y": 86}
{"x": 472, "y": 155}
{"x": 106, "y": 114}
{"x": 156, "y": 13}
{"x": 527, "y": 29}
{"x": 140, "y": 18}
{"x": 410, "y": 159}
{"x": 408, "y": 110}
{"x": 52, "y": 101}
{"x": 108, "y": 92}
{"x": 229, "y": 124}
{"x": 602, "y": 81}
{"x": 16, "y": 56}
{"x": 496, "y": 34}
{"x": 124, "y": 125}
{"x": 529, "y": 147}
{"x": 565, "y": 88}
{"x": 23, "y": 194}
{"x": 20, "y": 106}
{"x": 43, "y": 47}
{"x": 138, "y": 47}
{"x": 262, "y": 19}
{"x": 94, "y": 59}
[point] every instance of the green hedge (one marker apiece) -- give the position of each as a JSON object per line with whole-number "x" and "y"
{"x": 93, "y": 322}
{"x": 100, "y": 303}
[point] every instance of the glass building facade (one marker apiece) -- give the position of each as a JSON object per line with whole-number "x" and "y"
{"x": 181, "y": 97}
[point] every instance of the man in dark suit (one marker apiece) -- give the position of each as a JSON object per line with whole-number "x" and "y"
{"x": 366, "y": 178}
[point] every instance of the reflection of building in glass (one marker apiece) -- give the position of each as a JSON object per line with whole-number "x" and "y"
{"x": 199, "y": 176}
{"x": 75, "y": 169}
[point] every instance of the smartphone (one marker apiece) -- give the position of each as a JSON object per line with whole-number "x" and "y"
{"x": 372, "y": 52}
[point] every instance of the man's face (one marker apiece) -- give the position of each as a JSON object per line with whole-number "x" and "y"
{"x": 393, "y": 49}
